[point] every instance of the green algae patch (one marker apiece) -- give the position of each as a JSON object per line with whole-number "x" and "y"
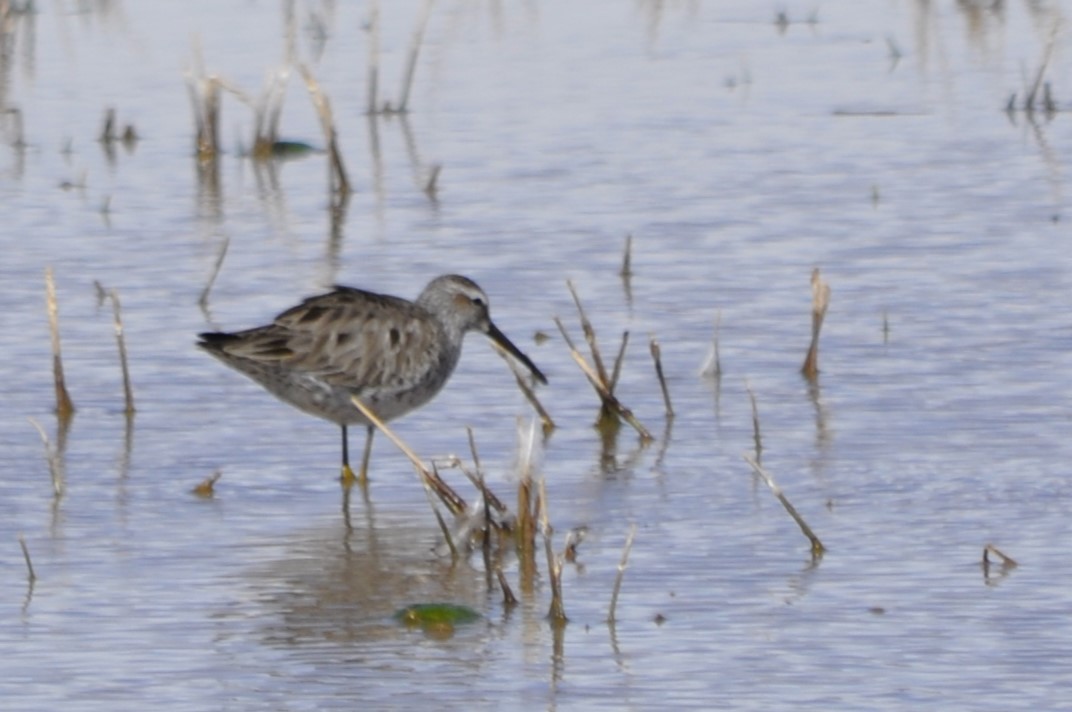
{"x": 436, "y": 615}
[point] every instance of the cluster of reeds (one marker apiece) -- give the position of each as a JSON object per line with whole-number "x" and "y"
{"x": 487, "y": 525}
{"x": 65, "y": 408}
{"x": 1038, "y": 95}
{"x": 612, "y": 411}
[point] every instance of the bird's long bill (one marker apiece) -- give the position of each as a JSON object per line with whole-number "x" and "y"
{"x": 508, "y": 346}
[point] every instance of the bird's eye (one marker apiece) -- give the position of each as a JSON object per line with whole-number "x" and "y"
{"x": 479, "y": 302}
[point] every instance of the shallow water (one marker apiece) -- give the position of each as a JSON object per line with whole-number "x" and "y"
{"x": 867, "y": 139}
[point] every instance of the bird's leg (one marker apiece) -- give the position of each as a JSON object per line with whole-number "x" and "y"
{"x": 347, "y": 478}
{"x": 362, "y": 476}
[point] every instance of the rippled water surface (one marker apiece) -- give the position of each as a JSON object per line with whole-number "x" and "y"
{"x": 741, "y": 145}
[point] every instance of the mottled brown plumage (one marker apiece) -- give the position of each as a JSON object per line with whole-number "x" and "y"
{"x": 393, "y": 354}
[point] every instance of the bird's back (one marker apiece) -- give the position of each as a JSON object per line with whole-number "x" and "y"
{"x": 390, "y": 352}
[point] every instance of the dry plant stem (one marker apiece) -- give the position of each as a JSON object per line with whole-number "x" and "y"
{"x": 128, "y": 391}
{"x": 528, "y": 504}
{"x": 339, "y": 182}
{"x": 509, "y": 599}
{"x": 446, "y": 533}
{"x": 627, "y": 259}
{"x": 205, "y": 98}
{"x": 656, "y": 356}
{"x": 618, "y": 360}
{"x": 207, "y": 486}
{"x": 107, "y": 134}
{"x": 431, "y": 185}
{"x": 52, "y": 458}
{"x": 64, "y": 406}
{"x": 590, "y": 337}
{"x": 606, "y": 396}
{"x": 621, "y": 573}
{"x": 203, "y": 299}
{"x": 714, "y": 344}
{"x": 414, "y": 52}
{"x": 820, "y": 300}
{"x": 478, "y": 479}
{"x": 373, "y": 26}
{"x": 1006, "y": 561}
{"x": 817, "y": 548}
{"x": 557, "y": 612}
{"x": 431, "y": 481}
{"x": 29, "y": 564}
{"x": 755, "y": 421}
{"x": 1029, "y": 101}
{"x": 530, "y": 395}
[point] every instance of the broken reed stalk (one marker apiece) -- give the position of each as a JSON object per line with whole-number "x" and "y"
{"x": 616, "y": 372}
{"x": 446, "y": 534}
{"x": 340, "y": 184}
{"x": 820, "y": 300}
{"x": 414, "y": 52}
{"x": 755, "y": 421}
{"x": 64, "y": 406}
{"x": 206, "y": 488}
{"x": 1006, "y": 561}
{"x": 527, "y": 503}
{"x": 627, "y": 259}
{"x": 107, "y": 134}
{"x": 433, "y": 484}
{"x": 557, "y": 612}
{"x": 590, "y": 337}
{"x": 202, "y": 301}
{"x": 529, "y": 391}
{"x": 712, "y": 367}
{"x": 817, "y": 548}
{"x": 205, "y": 100}
{"x": 128, "y": 391}
{"x": 373, "y": 26}
{"x": 431, "y": 184}
{"x": 485, "y": 544}
{"x": 509, "y": 599}
{"x": 621, "y": 573}
{"x": 530, "y": 395}
{"x": 267, "y": 112}
{"x": 609, "y": 400}
{"x": 656, "y": 356}
{"x": 1029, "y": 100}
{"x": 52, "y": 458}
{"x": 29, "y": 564}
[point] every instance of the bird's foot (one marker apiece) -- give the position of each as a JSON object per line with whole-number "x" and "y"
{"x": 347, "y": 478}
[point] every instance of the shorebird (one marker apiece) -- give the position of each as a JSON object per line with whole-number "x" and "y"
{"x": 393, "y": 354}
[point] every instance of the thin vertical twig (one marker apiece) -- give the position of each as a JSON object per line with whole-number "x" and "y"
{"x": 557, "y": 611}
{"x": 712, "y": 367}
{"x": 621, "y": 573}
{"x": 373, "y": 26}
{"x": 755, "y": 421}
{"x": 820, "y": 300}
{"x": 128, "y": 391}
{"x": 656, "y": 356}
{"x": 627, "y": 259}
{"x": 55, "y": 468}
{"x": 414, "y": 52}
{"x": 64, "y": 405}
{"x": 817, "y": 548}
{"x": 29, "y": 564}
{"x": 340, "y": 183}
{"x": 202, "y": 301}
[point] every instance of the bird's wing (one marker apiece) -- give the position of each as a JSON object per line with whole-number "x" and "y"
{"x": 367, "y": 342}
